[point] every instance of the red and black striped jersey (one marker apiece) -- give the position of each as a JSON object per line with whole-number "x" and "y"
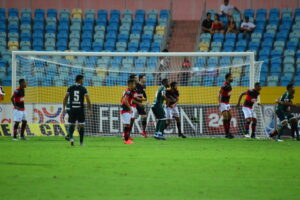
{"x": 251, "y": 98}
{"x": 130, "y": 94}
{"x": 225, "y": 92}
{"x": 19, "y": 95}
{"x": 174, "y": 94}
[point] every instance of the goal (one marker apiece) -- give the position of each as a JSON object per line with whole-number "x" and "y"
{"x": 199, "y": 76}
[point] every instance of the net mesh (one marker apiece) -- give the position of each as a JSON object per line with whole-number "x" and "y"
{"x": 199, "y": 79}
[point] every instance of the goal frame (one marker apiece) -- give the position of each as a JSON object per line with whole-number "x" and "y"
{"x": 251, "y": 55}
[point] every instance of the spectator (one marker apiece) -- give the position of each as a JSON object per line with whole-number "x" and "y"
{"x": 231, "y": 26}
{"x": 247, "y": 27}
{"x": 164, "y": 67}
{"x": 217, "y": 26}
{"x": 226, "y": 9}
{"x": 186, "y": 67}
{"x": 207, "y": 24}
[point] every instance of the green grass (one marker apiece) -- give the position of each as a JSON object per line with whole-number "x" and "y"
{"x": 195, "y": 168}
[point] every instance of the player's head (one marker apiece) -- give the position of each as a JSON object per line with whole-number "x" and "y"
{"x": 173, "y": 85}
{"x": 165, "y": 82}
{"x": 226, "y": 2}
{"x": 208, "y": 15}
{"x": 257, "y": 86}
{"x": 228, "y": 77}
{"x": 133, "y": 77}
{"x": 290, "y": 88}
{"x": 131, "y": 84}
{"x": 22, "y": 83}
{"x": 142, "y": 78}
{"x": 79, "y": 79}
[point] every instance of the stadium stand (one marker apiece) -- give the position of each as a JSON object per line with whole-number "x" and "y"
{"x": 78, "y": 30}
{"x": 275, "y": 41}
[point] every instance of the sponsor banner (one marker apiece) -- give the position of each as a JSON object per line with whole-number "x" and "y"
{"x": 196, "y": 120}
{"x": 38, "y": 130}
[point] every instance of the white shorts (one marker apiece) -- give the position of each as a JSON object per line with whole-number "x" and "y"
{"x": 224, "y": 107}
{"x": 248, "y": 113}
{"x": 171, "y": 113}
{"x": 19, "y": 115}
{"x": 126, "y": 117}
{"x": 134, "y": 113}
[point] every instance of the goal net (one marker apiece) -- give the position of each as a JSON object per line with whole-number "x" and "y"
{"x": 199, "y": 77}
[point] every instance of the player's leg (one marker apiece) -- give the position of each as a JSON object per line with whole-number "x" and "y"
{"x": 72, "y": 123}
{"x": 253, "y": 127}
{"x": 142, "y": 112}
{"x": 134, "y": 115}
{"x": 283, "y": 123}
{"x": 23, "y": 125}
{"x": 226, "y": 123}
{"x": 67, "y": 127}
{"x": 168, "y": 112}
{"x": 126, "y": 117}
{"x": 17, "y": 120}
{"x": 175, "y": 114}
{"x": 248, "y": 119}
{"x": 294, "y": 127}
{"x": 160, "y": 115}
{"x": 81, "y": 124}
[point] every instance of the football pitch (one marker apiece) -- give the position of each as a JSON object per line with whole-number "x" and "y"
{"x": 176, "y": 169}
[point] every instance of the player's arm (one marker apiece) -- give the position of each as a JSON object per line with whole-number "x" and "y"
{"x": 88, "y": 101}
{"x": 65, "y": 102}
{"x": 240, "y": 98}
{"x": 136, "y": 101}
{"x": 220, "y": 95}
{"x": 126, "y": 102}
{"x": 287, "y": 103}
{"x": 13, "y": 101}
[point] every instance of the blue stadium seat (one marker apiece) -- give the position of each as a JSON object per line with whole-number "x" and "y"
{"x": 52, "y": 13}
{"x": 13, "y": 12}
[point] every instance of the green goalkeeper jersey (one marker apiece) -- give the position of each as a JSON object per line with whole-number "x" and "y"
{"x": 286, "y": 97}
{"x": 159, "y": 99}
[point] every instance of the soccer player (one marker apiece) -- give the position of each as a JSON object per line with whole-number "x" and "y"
{"x": 17, "y": 100}
{"x": 75, "y": 97}
{"x": 224, "y": 98}
{"x": 172, "y": 111}
{"x": 159, "y": 111}
{"x": 285, "y": 116}
{"x": 141, "y": 96}
{"x": 249, "y": 113}
{"x": 127, "y": 110}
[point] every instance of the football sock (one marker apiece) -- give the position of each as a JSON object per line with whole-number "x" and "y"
{"x": 144, "y": 123}
{"x": 81, "y": 134}
{"x": 157, "y": 126}
{"x": 253, "y": 129}
{"x": 226, "y": 124}
{"x": 162, "y": 126}
{"x": 131, "y": 124}
{"x": 179, "y": 127}
{"x": 247, "y": 125}
{"x": 294, "y": 129}
{"x": 23, "y": 127}
{"x": 126, "y": 132}
{"x": 71, "y": 130}
{"x": 16, "y": 126}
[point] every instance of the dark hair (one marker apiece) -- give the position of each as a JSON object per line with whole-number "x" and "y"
{"x": 246, "y": 17}
{"x": 141, "y": 76}
{"x": 132, "y": 76}
{"x": 22, "y": 80}
{"x": 217, "y": 16}
{"x": 130, "y": 81}
{"x": 227, "y": 75}
{"x": 173, "y": 84}
{"x": 208, "y": 13}
{"x": 78, "y": 78}
{"x": 164, "y": 80}
{"x": 165, "y": 50}
{"x": 289, "y": 86}
{"x": 256, "y": 84}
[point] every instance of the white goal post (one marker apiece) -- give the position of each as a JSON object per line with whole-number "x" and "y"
{"x": 49, "y": 73}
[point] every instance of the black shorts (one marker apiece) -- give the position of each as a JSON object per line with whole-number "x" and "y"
{"x": 76, "y": 115}
{"x": 141, "y": 110}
